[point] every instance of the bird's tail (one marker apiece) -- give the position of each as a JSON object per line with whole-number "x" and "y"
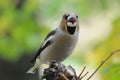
{"x": 36, "y": 65}
{"x": 42, "y": 67}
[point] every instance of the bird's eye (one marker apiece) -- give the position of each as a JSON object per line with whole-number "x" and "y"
{"x": 76, "y": 16}
{"x": 65, "y": 17}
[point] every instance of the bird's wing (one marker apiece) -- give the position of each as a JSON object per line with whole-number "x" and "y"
{"x": 47, "y": 41}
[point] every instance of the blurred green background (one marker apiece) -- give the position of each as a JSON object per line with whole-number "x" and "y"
{"x": 25, "y": 23}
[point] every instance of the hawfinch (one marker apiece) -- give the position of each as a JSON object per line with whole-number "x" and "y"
{"x": 59, "y": 43}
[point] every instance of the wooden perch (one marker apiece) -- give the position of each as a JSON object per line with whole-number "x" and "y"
{"x": 57, "y": 71}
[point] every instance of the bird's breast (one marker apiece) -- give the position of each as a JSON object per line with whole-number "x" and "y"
{"x": 62, "y": 47}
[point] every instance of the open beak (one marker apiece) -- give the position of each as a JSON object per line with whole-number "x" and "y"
{"x": 71, "y": 23}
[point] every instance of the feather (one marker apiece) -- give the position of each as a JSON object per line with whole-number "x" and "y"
{"x": 48, "y": 40}
{"x": 36, "y": 65}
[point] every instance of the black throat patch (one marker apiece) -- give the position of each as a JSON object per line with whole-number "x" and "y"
{"x": 71, "y": 30}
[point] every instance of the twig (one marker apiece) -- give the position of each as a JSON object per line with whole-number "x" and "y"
{"x": 83, "y": 76}
{"x": 102, "y": 62}
{"x": 63, "y": 76}
{"x": 81, "y": 72}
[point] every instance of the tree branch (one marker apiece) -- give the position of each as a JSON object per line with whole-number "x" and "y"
{"x": 102, "y": 62}
{"x": 57, "y": 71}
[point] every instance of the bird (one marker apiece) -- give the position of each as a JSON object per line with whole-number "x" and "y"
{"x": 59, "y": 43}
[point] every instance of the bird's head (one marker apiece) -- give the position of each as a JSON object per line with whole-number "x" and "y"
{"x": 70, "y": 23}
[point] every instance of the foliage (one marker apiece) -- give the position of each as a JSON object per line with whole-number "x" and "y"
{"x": 111, "y": 72}
{"x": 24, "y": 24}
{"x": 19, "y": 31}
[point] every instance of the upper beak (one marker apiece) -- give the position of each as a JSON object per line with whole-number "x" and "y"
{"x": 71, "y": 18}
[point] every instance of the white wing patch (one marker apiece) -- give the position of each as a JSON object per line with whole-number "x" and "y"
{"x": 48, "y": 39}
